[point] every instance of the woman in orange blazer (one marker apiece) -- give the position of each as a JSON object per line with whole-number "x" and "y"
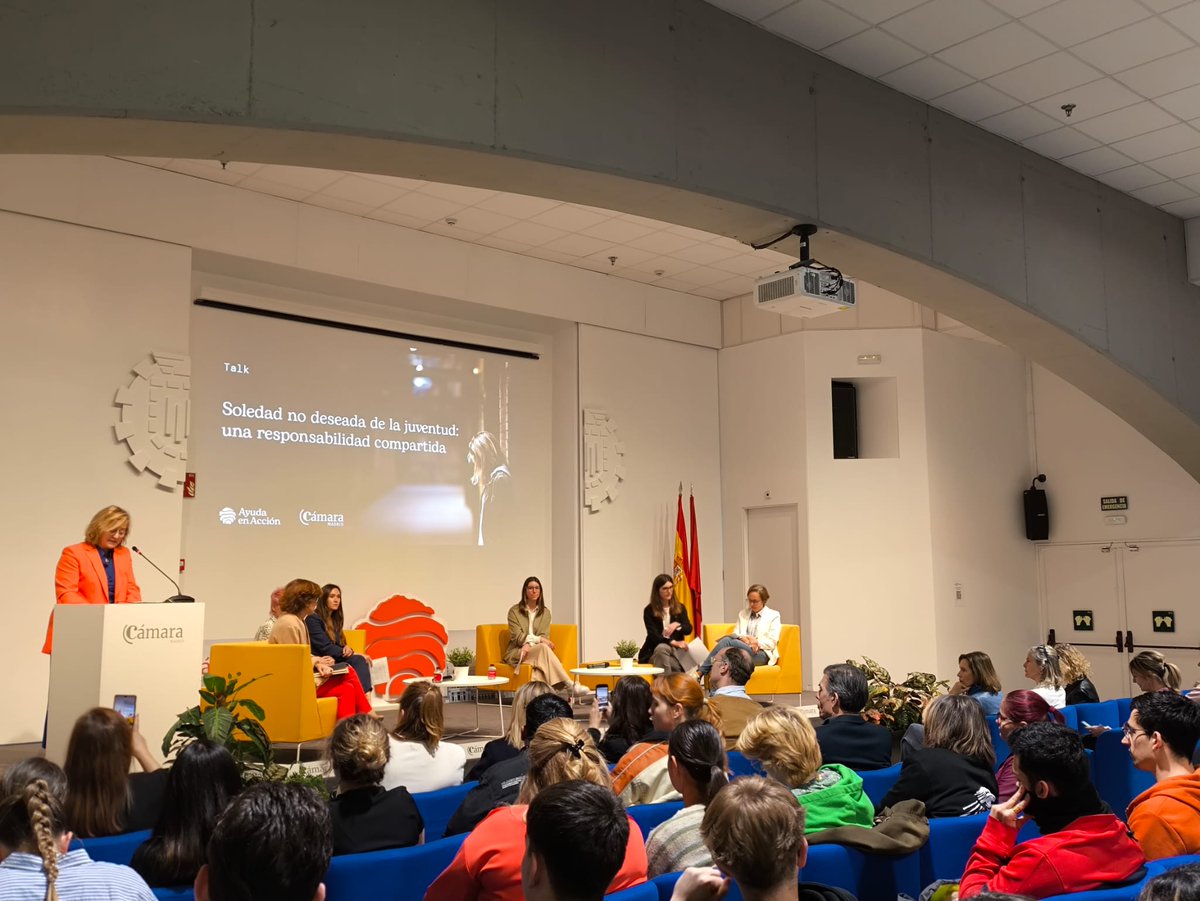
{"x": 98, "y": 571}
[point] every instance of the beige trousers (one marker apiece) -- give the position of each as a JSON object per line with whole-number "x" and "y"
{"x": 546, "y": 665}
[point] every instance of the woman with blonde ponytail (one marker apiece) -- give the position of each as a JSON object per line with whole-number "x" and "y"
{"x": 1152, "y": 672}
{"x": 698, "y": 769}
{"x": 488, "y": 865}
{"x": 365, "y": 816}
{"x": 420, "y": 760}
{"x": 35, "y": 864}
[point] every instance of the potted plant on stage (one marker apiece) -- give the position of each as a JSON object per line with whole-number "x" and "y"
{"x": 460, "y": 659}
{"x": 625, "y": 650}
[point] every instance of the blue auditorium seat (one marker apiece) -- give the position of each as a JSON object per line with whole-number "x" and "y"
{"x": 437, "y": 808}
{"x": 877, "y": 783}
{"x": 1124, "y": 708}
{"x": 112, "y": 848}
{"x": 869, "y": 877}
{"x": 740, "y": 765}
{"x": 1163, "y": 864}
{"x": 647, "y": 816}
{"x": 665, "y": 885}
{"x": 1071, "y": 715}
{"x": 998, "y": 743}
{"x": 647, "y": 891}
{"x": 1102, "y": 713}
{"x": 1122, "y": 893}
{"x": 175, "y": 893}
{"x": 950, "y": 842}
{"x": 399, "y": 874}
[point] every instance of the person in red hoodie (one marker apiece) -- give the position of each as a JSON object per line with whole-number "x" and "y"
{"x": 1161, "y": 735}
{"x": 1083, "y": 846}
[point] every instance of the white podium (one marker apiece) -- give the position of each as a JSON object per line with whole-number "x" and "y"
{"x": 153, "y": 651}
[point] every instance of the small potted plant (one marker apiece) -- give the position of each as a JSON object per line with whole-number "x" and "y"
{"x": 460, "y": 659}
{"x": 625, "y": 650}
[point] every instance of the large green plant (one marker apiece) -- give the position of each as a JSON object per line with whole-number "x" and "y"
{"x": 226, "y": 719}
{"x": 897, "y": 705}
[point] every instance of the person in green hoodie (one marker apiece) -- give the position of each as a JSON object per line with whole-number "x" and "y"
{"x": 784, "y": 742}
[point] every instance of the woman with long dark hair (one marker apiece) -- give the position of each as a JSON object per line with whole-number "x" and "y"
{"x": 201, "y": 781}
{"x": 698, "y": 769}
{"x": 419, "y": 759}
{"x": 667, "y": 628}
{"x": 529, "y": 640}
{"x": 327, "y": 634}
{"x": 104, "y": 797}
{"x": 628, "y": 715}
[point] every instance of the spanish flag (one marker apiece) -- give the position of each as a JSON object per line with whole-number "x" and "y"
{"x": 682, "y": 569}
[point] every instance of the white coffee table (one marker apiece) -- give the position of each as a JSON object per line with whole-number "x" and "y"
{"x": 468, "y": 682}
{"x": 617, "y": 671}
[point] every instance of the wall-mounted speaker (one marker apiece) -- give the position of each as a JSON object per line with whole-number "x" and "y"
{"x": 1037, "y": 515}
{"x": 845, "y": 421}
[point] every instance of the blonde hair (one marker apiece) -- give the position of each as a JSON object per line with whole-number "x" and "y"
{"x": 31, "y": 813}
{"x": 1074, "y": 665}
{"x": 681, "y": 689}
{"x": 1153, "y": 663}
{"x": 110, "y": 518}
{"x": 786, "y": 743}
{"x": 515, "y": 735}
{"x": 957, "y": 723}
{"x": 1045, "y": 658}
{"x": 359, "y": 750}
{"x": 420, "y": 718}
{"x": 559, "y": 751}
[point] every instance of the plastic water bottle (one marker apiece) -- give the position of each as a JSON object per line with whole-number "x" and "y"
{"x": 491, "y": 671}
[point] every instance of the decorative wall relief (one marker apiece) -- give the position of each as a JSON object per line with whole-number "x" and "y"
{"x": 603, "y": 459}
{"x": 156, "y": 416}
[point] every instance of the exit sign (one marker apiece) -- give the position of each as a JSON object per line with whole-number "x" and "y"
{"x": 1116, "y": 502}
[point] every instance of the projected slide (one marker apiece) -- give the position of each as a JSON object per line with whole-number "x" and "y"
{"x": 356, "y": 456}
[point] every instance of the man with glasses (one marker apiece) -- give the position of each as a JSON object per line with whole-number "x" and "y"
{"x": 1161, "y": 735}
{"x": 732, "y": 669}
{"x": 1082, "y": 847}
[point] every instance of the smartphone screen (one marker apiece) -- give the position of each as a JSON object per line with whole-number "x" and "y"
{"x": 126, "y": 705}
{"x": 602, "y": 695}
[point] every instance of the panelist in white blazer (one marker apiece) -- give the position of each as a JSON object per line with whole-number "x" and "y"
{"x": 756, "y": 632}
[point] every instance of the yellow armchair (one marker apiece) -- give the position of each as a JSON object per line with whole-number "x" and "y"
{"x": 286, "y": 693}
{"x": 491, "y": 641}
{"x": 357, "y": 639}
{"x": 781, "y": 678}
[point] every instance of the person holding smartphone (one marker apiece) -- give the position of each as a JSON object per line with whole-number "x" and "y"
{"x": 627, "y": 712}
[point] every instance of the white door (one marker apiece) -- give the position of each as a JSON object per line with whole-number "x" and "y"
{"x": 772, "y": 551}
{"x": 1163, "y": 578}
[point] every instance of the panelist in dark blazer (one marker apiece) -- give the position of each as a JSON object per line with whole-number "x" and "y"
{"x": 845, "y": 737}
{"x": 667, "y": 628}
{"x": 327, "y": 637}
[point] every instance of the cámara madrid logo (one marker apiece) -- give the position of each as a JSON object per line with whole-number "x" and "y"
{"x": 311, "y": 517}
{"x": 244, "y": 516}
{"x": 134, "y": 632}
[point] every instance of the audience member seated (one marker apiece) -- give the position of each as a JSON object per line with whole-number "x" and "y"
{"x": 364, "y": 815}
{"x": 34, "y": 861}
{"x": 756, "y": 632}
{"x": 978, "y": 680}
{"x": 628, "y": 715}
{"x": 1161, "y": 735}
{"x": 299, "y": 601}
{"x": 487, "y": 866}
{"x": 954, "y": 773}
{"x": 264, "y": 631}
{"x": 641, "y": 776}
{"x": 327, "y": 635}
{"x": 845, "y": 737}
{"x": 1042, "y": 667}
{"x": 696, "y": 763}
{"x": 1077, "y": 675}
{"x": 200, "y": 784}
{"x": 501, "y": 784}
{"x": 1017, "y": 710}
{"x": 755, "y": 831}
{"x": 510, "y": 745}
{"x": 732, "y": 669}
{"x": 1178, "y": 884}
{"x": 577, "y": 835}
{"x": 419, "y": 759}
{"x": 273, "y": 843}
{"x": 104, "y": 798}
{"x": 784, "y": 742}
{"x": 1082, "y": 846}
{"x": 1151, "y": 672}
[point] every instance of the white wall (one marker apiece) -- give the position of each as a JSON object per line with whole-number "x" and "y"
{"x": 663, "y": 397}
{"x": 81, "y": 308}
{"x": 976, "y": 399}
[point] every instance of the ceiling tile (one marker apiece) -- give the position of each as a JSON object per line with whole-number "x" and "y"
{"x": 1185, "y": 104}
{"x": 673, "y": 285}
{"x": 1127, "y": 122}
{"x": 342, "y": 206}
{"x": 927, "y": 78}
{"x": 1060, "y": 143}
{"x": 1019, "y": 8}
{"x": 357, "y": 189}
{"x": 485, "y": 222}
{"x": 662, "y": 242}
{"x": 1093, "y": 99}
{"x": 1071, "y": 21}
{"x": 1130, "y": 178}
{"x": 636, "y": 275}
{"x": 617, "y": 230}
{"x": 420, "y": 205}
{"x": 714, "y": 293}
{"x": 875, "y": 11}
{"x": 872, "y": 53}
{"x": 504, "y": 244}
{"x": 461, "y": 194}
{"x": 570, "y": 217}
{"x": 703, "y": 254}
{"x": 661, "y": 265}
{"x": 1160, "y": 143}
{"x": 997, "y": 50}
{"x": 580, "y": 246}
{"x": 1187, "y": 19}
{"x": 1161, "y": 6}
{"x": 1167, "y": 192}
{"x": 530, "y": 233}
{"x": 262, "y": 186}
{"x": 751, "y": 264}
{"x": 751, "y": 9}
{"x": 1020, "y": 123}
{"x": 1132, "y": 46}
{"x": 1192, "y": 181}
{"x": 519, "y": 206}
{"x": 210, "y": 170}
{"x": 1043, "y": 77}
{"x": 813, "y": 23}
{"x": 626, "y": 255}
{"x": 1185, "y": 209}
{"x": 393, "y": 218}
{"x": 1180, "y": 70}
{"x": 1178, "y": 165}
{"x": 693, "y": 234}
{"x": 1097, "y": 161}
{"x": 439, "y": 227}
{"x": 407, "y": 184}
{"x": 940, "y": 23}
{"x": 702, "y": 275}
{"x": 975, "y": 102}
{"x": 299, "y": 176}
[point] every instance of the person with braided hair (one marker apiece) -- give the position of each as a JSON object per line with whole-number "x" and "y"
{"x": 35, "y": 864}
{"x": 488, "y": 865}
{"x": 698, "y": 769}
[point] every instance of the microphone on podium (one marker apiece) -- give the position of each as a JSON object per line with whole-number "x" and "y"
{"x": 178, "y": 597}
